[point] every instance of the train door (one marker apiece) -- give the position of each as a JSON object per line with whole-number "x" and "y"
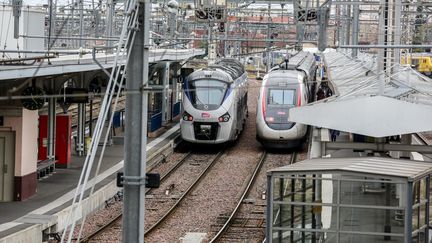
{"x": 7, "y": 162}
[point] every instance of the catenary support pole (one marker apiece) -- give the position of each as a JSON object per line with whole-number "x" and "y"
{"x": 382, "y": 40}
{"x": 348, "y": 24}
{"x": 355, "y": 28}
{"x": 81, "y": 27}
{"x": 81, "y": 124}
{"x": 136, "y": 132}
{"x": 165, "y": 84}
{"x": 397, "y": 29}
{"x": 109, "y": 22}
{"x": 51, "y": 125}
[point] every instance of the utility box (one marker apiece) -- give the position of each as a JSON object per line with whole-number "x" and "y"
{"x": 63, "y": 132}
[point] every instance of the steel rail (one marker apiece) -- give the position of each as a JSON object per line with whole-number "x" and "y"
{"x": 171, "y": 210}
{"x": 118, "y": 217}
{"x": 251, "y": 181}
{"x": 245, "y": 192}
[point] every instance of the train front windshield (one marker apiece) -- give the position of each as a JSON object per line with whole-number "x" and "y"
{"x": 279, "y": 101}
{"x": 207, "y": 94}
{"x": 281, "y": 97}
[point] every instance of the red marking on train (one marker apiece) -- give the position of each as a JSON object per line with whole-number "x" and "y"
{"x": 300, "y": 92}
{"x": 263, "y": 101}
{"x": 205, "y": 115}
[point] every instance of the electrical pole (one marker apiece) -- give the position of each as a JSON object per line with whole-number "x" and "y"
{"x": 109, "y": 20}
{"x": 81, "y": 106}
{"x": 136, "y": 131}
{"x": 355, "y": 28}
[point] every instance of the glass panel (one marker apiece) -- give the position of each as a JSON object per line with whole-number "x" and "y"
{"x": 368, "y": 193}
{"x": 422, "y": 216}
{"x": 304, "y": 189}
{"x": 293, "y": 216}
{"x": 416, "y": 192}
{"x": 419, "y": 238}
{"x": 328, "y": 237}
{"x": 285, "y": 235}
{"x": 294, "y": 190}
{"x": 207, "y": 94}
{"x": 277, "y": 182}
{"x": 371, "y": 220}
{"x": 281, "y": 97}
{"x": 423, "y": 189}
{"x": 355, "y": 238}
{"x": 415, "y": 218}
{"x": 304, "y": 217}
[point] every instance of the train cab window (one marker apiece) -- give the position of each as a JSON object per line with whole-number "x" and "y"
{"x": 281, "y": 97}
{"x": 207, "y": 94}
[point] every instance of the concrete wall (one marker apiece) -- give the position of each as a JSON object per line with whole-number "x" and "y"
{"x": 33, "y": 233}
{"x": 15, "y": 123}
{"x": 29, "y": 142}
{"x": 25, "y": 125}
{"x": 26, "y": 134}
{"x": 28, "y": 235}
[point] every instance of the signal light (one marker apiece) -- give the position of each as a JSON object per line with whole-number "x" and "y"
{"x": 187, "y": 117}
{"x": 224, "y": 118}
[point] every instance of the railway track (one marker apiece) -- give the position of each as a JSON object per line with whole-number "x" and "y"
{"x": 246, "y": 220}
{"x": 204, "y": 172}
{"x": 113, "y": 221}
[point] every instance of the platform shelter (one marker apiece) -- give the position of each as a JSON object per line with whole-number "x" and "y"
{"x": 366, "y": 199}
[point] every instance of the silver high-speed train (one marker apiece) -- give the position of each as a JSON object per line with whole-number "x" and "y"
{"x": 215, "y": 103}
{"x": 284, "y": 87}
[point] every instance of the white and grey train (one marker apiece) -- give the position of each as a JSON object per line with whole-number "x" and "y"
{"x": 284, "y": 87}
{"x": 215, "y": 103}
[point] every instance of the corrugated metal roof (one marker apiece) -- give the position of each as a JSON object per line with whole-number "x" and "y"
{"x": 358, "y": 77}
{"x": 369, "y": 165}
{"x": 401, "y": 108}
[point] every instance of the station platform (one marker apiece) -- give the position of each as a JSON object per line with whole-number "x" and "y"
{"x": 55, "y": 193}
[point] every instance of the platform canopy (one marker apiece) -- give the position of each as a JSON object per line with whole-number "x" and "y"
{"x": 410, "y": 170}
{"x": 358, "y": 106}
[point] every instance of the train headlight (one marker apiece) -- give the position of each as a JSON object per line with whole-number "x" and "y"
{"x": 187, "y": 117}
{"x": 224, "y": 118}
{"x": 269, "y": 119}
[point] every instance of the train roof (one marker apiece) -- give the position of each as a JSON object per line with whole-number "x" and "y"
{"x": 231, "y": 69}
{"x": 303, "y": 60}
{"x": 231, "y": 66}
{"x": 281, "y": 74}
